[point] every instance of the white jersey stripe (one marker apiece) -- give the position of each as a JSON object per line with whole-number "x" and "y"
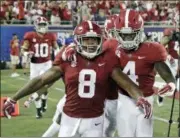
{"x": 127, "y": 18}
{"x": 90, "y": 26}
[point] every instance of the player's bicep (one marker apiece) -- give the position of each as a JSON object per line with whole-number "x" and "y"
{"x": 51, "y": 75}
{"x": 126, "y": 83}
{"x": 164, "y": 71}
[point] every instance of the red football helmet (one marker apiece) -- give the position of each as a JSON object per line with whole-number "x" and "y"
{"x": 41, "y": 25}
{"x": 109, "y": 26}
{"x": 129, "y": 29}
{"x": 88, "y": 38}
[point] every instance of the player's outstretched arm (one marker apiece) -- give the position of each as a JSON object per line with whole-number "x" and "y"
{"x": 37, "y": 83}
{"x": 133, "y": 90}
{"x": 33, "y": 85}
{"x": 126, "y": 83}
{"x": 165, "y": 72}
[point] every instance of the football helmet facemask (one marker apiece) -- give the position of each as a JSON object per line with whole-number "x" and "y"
{"x": 88, "y": 38}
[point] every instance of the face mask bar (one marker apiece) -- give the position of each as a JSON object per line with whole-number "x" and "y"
{"x": 90, "y": 50}
{"x": 129, "y": 39}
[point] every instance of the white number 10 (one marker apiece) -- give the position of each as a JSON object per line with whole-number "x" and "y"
{"x": 88, "y": 83}
{"x": 41, "y": 50}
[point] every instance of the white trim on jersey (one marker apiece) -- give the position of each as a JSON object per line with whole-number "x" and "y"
{"x": 90, "y": 26}
{"x": 127, "y": 18}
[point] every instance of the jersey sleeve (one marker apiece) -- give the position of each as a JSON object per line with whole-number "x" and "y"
{"x": 158, "y": 52}
{"x": 54, "y": 37}
{"x": 27, "y": 36}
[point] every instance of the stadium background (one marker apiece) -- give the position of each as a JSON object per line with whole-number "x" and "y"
{"x": 157, "y": 15}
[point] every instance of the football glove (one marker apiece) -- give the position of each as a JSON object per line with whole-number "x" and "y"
{"x": 69, "y": 54}
{"x": 32, "y": 98}
{"x": 167, "y": 90}
{"x": 146, "y": 106}
{"x": 29, "y": 54}
{"x": 8, "y": 107}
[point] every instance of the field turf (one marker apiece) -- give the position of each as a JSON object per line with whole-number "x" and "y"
{"x": 26, "y": 125}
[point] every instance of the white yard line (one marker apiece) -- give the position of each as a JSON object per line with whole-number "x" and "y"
{"x": 163, "y": 120}
{"x": 62, "y": 90}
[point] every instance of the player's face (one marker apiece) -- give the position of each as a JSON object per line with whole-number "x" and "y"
{"x": 90, "y": 44}
{"x": 42, "y": 27}
{"x": 128, "y": 37}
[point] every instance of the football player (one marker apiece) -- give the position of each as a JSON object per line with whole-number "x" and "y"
{"x": 86, "y": 83}
{"x": 171, "y": 41}
{"x": 138, "y": 58}
{"x": 37, "y": 46}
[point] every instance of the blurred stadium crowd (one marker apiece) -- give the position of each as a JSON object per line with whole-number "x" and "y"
{"x": 73, "y": 12}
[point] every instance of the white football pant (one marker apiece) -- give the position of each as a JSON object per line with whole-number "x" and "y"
{"x": 130, "y": 118}
{"x": 110, "y": 113}
{"x": 81, "y": 127}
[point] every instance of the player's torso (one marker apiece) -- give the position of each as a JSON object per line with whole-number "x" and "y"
{"x": 87, "y": 86}
{"x": 139, "y": 67}
{"x": 41, "y": 46}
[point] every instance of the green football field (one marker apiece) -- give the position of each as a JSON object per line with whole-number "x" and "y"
{"x": 26, "y": 125}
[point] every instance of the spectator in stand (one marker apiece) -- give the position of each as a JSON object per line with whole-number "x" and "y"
{"x": 14, "y": 54}
{"x": 67, "y": 16}
{"x": 85, "y": 12}
{"x": 56, "y": 11}
{"x": 35, "y": 12}
{"x": 101, "y": 16}
{"x": 55, "y": 14}
{"x": 154, "y": 12}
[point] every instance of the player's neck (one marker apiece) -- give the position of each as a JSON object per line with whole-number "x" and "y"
{"x": 40, "y": 34}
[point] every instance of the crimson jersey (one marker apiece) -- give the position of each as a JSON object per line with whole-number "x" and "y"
{"x": 41, "y": 46}
{"x": 173, "y": 46}
{"x": 87, "y": 83}
{"x": 139, "y": 64}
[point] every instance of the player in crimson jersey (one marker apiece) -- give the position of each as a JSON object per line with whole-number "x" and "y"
{"x": 171, "y": 41}
{"x": 86, "y": 84}
{"x": 37, "y": 45}
{"x": 138, "y": 60}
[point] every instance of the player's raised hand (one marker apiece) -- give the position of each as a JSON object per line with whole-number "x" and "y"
{"x": 8, "y": 107}
{"x": 146, "y": 106}
{"x": 29, "y": 54}
{"x": 69, "y": 54}
{"x": 167, "y": 90}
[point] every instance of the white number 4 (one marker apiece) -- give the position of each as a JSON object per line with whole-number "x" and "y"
{"x": 130, "y": 67}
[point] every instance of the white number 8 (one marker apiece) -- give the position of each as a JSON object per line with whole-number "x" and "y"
{"x": 89, "y": 83}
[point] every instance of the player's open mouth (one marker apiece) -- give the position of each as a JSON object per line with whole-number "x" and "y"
{"x": 89, "y": 49}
